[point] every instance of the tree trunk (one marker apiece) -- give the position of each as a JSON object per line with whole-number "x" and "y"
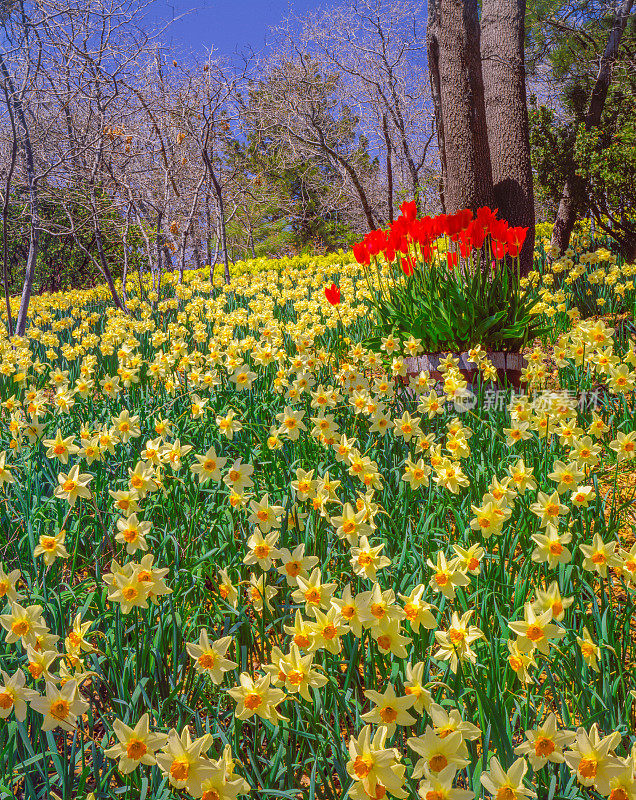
{"x": 569, "y": 205}
{"x": 389, "y": 168}
{"x": 503, "y": 67}
{"x": 103, "y": 262}
{"x": 221, "y": 205}
{"x": 454, "y": 61}
{"x": 5, "y": 217}
{"x": 29, "y": 163}
{"x": 566, "y": 216}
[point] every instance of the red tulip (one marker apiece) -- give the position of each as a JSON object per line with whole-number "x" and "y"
{"x": 361, "y": 254}
{"x": 515, "y": 239}
{"x": 499, "y": 249}
{"x": 408, "y": 265}
{"x": 332, "y": 293}
{"x": 452, "y": 260}
{"x": 409, "y": 210}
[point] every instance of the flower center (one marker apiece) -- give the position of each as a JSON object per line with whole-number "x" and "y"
{"x": 411, "y": 611}
{"x": 588, "y": 767}
{"x": 515, "y": 662}
{"x": 506, "y": 793}
{"x": 261, "y": 550}
{"x": 292, "y": 568}
{"x": 378, "y": 610}
{"x": 329, "y": 632}
{"x": 599, "y": 558}
{"x": 348, "y": 528}
{"x": 60, "y": 709}
{"x": 253, "y": 700}
{"x": 362, "y": 766}
{"x": 544, "y": 746}
{"x": 438, "y": 762}
{"x": 180, "y": 769}
{"x": 534, "y": 633}
{"x": 295, "y": 677}
{"x": 136, "y": 749}
{"x": 556, "y": 548}
{"x": 456, "y": 636}
{"x": 6, "y": 700}
{"x": 207, "y": 660}
{"x": 312, "y": 595}
{"x": 21, "y": 627}
{"x": 388, "y": 714}
{"x": 35, "y": 669}
{"x": 587, "y": 648}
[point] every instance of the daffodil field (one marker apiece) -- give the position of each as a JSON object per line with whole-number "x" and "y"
{"x": 244, "y": 555}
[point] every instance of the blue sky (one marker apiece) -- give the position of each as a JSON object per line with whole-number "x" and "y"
{"x": 224, "y": 24}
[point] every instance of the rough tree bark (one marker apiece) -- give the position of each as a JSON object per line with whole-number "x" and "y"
{"x": 218, "y": 191}
{"x": 458, "y": 93}
{"x": 29, "y": 165}
{"x": 389, "y": 168}
{"x": 569, "y": 204}
{"x": 503, "y": 68}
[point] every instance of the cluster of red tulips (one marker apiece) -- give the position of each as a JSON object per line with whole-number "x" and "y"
{"x": 468, "y": 231}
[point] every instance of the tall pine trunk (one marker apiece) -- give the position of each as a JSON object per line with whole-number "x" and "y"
{"x": 454, "y": 61}
{"x": 503, "y": 67}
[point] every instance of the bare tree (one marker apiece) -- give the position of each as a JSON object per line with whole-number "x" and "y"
{"x": 568, "y": 206}
{"x": 298, "y": 106}
{"x": 378, "y": 48}
{"x": 16, "y": 29}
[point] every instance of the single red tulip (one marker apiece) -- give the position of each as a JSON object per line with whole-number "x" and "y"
{"x": 332, "y": 293}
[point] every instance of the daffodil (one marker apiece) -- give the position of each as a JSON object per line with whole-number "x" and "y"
{"x": 182, "y": 760}
{"x": 257, "y": 697}
{"x": 454, "y": 645}
{"x": 438, "y": 752}
{"x": 508, "y": 785}
{"x": 295, "y": 564}
{"x": 73, "y": 485}
{"x": 23, "y": 624}
{"x": 600, "y": 555}
{"x": 60, "y": 707}
{"x": 14, "y": 695}
{"x": 373, "y": 765}
{"x": 536, "y": 631}
{"x": 209, "y": 657}
{"x": 545, "y": 743}
{"x": 390, "y": 710}
{"x": 136, "y": 745}
{"x": 592, "y": 758}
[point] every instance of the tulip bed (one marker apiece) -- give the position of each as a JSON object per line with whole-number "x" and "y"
{"x": 239, "y": 558}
